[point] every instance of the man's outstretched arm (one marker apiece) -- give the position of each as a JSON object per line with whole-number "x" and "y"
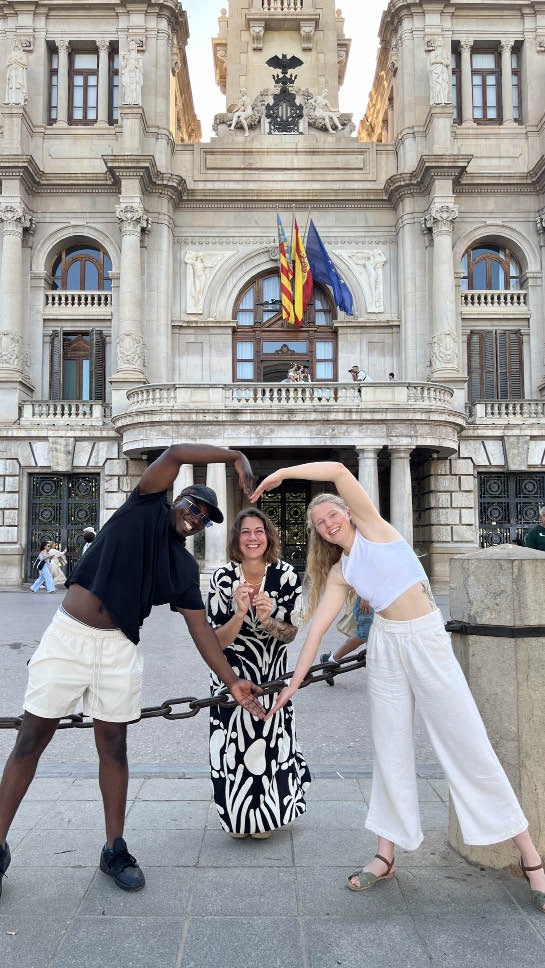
{"x": 242, "y": 690}
{"x": 163, "y": 472}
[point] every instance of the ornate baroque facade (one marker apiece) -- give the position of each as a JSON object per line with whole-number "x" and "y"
{"x": 139, "y": 270}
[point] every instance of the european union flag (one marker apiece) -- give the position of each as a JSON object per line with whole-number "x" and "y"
{"x": 325, "y": 272}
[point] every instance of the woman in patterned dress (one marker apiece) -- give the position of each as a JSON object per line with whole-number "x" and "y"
{"x": 254, "y": 604}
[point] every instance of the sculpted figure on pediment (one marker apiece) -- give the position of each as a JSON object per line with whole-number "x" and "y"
{"x": 369, "y": 265}
{"x": 200, "y": 269}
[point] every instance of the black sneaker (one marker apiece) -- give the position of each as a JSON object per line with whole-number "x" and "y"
{"x": 122, "y": 866}
{"x": 5, "y": 860}
{"x": 325, "y": 658}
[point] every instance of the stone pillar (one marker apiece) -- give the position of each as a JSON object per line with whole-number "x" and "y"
{"x": 505, "y": 674}
{"x": 184, "y": 479}
{"x": 443, "y": 341}
{"x": 15, "y": 220}
{"x": 215, "y": 538}
{"x": 63, "y": 48}
{"x": 103, "y": 79}
{"x": 506, "y": 47}
{"x": 401, "y": 495}
{"x": 467, "y": 85}
{"x": 130, "y": 343}
{"x": 368, "y": 471}
{"x": 163, "y": 76}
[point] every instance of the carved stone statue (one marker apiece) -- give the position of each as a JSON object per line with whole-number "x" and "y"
{"x": 132, "y": 74}
{"x": 200, "y": 268}
{"x": 324, "y": 112}
{"x": 438, "y": 72}
{"x": 370, "y": 262}
{"x": 16, "y": 76}
{"x": 243, "y": 111}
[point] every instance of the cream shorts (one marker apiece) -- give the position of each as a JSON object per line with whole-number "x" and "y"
{"x": 72, "y": 662}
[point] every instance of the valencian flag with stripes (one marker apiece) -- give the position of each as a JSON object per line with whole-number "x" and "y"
{"x": 302, "y": 276}
{"x": 286, "y": 275}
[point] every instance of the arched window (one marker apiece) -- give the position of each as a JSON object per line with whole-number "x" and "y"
{"x": 265, "y": 347}
{"x": 487, "y": 266}
{"x": 82, "y": 267}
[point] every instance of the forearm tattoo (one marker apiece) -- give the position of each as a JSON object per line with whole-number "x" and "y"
{"x": 425, "y": 586}
{"x": 282, "y": 631}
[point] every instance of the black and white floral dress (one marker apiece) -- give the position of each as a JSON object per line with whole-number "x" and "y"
{"x": 258, "y": 771}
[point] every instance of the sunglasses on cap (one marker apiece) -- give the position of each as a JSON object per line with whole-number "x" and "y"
{"x": 196, "y": 511}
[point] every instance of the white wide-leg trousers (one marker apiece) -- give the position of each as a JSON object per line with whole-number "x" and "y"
{"x": 412, "y": 665}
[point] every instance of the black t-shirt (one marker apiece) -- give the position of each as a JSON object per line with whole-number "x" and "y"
{"x": 136, "y": 561}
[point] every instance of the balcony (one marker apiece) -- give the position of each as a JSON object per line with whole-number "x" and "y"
{"x": 292, "y": 415}
{"x": 64, "y": 413}
{"x": 75, "y": 304}
{"x": 283, "y": 6}
{"x": 494, "y": 301}
{"x": 506, "y": 411}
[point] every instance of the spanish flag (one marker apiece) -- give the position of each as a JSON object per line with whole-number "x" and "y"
{"x": 286, "y": 275}
{"x": 302, "y": 286}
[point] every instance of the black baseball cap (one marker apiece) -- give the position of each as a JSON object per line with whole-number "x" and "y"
{"x": 206, "y": 494}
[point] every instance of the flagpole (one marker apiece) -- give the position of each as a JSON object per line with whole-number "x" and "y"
{"x": 307, "y": 226}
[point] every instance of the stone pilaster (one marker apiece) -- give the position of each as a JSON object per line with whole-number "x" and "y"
{"x": 443, "y": 340}
{"x": 216, "y": 537}
{"x": 103, "y": 79}
{"x": 63, "y": 48}
{"x": 467, "y": 87}
{"x": 14, "y": 220}
{"x": 506, "y": 47}
{"x": 401, "y": 495}
{"x": 130, "y": 341}
{"x": 368, "y": 471}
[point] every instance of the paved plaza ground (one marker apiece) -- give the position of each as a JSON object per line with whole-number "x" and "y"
{"x": 212, "y": 901}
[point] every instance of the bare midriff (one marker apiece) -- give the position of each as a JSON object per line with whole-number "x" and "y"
{"x": 87, "y": 608}
{"x": 416, "y": 602}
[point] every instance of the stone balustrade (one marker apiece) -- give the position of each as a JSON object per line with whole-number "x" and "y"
{"x": 78, "y": 303}
{"x": 282, "y": 6}
{"x": 501, "y": 411}
{"x": 495, "y": 300}
{"x": 284, "y": 396}
{"x": 61, "y": 413}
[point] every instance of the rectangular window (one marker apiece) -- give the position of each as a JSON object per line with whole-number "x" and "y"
{"x": 494, "y": 362}
{"x": 515, "y": 73}
{"x": 486, "y": 84}
{"x": 114, "y": 87}
{"x": 53, "y": 85}
{"x": 325, "y": 352}
{"x": 83, "y": 82}
{"x": 245, "y": 360}
{"x": 456, "y": 87}
{"x": 77, "y": 366}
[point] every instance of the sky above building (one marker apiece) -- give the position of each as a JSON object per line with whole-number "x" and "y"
{"x": 362, "y": 19}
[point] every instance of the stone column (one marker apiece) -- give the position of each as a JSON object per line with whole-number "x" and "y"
{"x": 163, "y": 76}
{"x": 103, "y": 79}
{"x": 443, "y": 341}
{"x": 368, "y": 471}
{"x": 497, "y": 586}
{"x": 184, "y": 479}
{"x": 467, "y": 85}
{"x": 63, "y": 48}
{"x": 401, "y": 495}
{"x": 15, "y": 220}
{"x": 506, "y": 47}
{"x": 130, "y": 342}
{"x": 216, "y": 537}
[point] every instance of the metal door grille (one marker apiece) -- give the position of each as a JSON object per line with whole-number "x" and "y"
{"x": 287, "y": 508}
{"x": 60, "y": 506}
{"x": 509, "y": 506}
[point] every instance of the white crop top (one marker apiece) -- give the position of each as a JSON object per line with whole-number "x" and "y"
{"x": 381, "y": 571}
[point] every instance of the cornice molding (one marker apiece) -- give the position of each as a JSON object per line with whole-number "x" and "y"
{"x": 144, "y": 167}
{"x": 419, "y": 181}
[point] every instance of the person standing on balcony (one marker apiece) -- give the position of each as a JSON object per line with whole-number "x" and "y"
{"x": 359, "y": 376}
{"x": 89, "y": 652}
{"x": 254, "y": 605}
{"x": 410, "y": 665}
{"x": 536, "y": 536}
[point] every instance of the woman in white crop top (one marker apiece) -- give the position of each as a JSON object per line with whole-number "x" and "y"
{"x": 410, "y": 665}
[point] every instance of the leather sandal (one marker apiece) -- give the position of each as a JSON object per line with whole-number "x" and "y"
{"x": 367, "y": 879}
{"x": 538, "y": 897}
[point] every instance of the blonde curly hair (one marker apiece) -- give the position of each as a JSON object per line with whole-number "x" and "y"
{"x": 322, "y": 555}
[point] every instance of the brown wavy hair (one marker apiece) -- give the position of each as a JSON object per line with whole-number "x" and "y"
{"x": 322, "y": 555}
{"x": 272, "y": 553}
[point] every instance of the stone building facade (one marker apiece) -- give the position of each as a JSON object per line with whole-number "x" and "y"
{"x": 139, "y": 265}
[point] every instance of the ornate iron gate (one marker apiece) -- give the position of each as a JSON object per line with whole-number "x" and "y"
{"x": 287, "y": 507}
{"x": 509, "y": 506}
{"x": 60, "y": 506}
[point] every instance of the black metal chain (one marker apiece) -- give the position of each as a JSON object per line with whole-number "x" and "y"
{"x": 316, "y": 674}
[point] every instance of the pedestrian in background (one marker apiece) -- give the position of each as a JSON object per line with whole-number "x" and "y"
{"x": 536, "y": 536}
{"x": 42, "y": 564}
{"x": 89, "y": 536}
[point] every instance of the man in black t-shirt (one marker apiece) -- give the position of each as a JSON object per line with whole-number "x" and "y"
{"x": 90, "y": 649}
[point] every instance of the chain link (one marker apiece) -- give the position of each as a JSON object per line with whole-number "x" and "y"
{"x": 316, "y": 674}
